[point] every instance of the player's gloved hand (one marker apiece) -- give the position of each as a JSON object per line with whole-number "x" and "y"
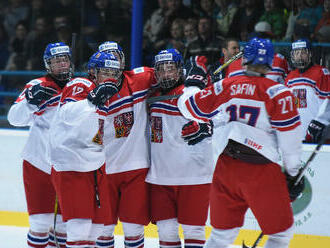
{"x": 196, "y": 72}
{"x": 314, "y": 132}
{"x": 294, "y": 190}
{"x": 218, "y": 76}
{"x": 99, "y": 95}
{"x": 38, "y": 93}
{"x": 194, "y": 132}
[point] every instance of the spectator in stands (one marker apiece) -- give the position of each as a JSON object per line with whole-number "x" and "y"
{"x": 225, "y": 16}
{"x": 175, "y": 9}
{"x": 153, "y": 29}
{"x": 312, "y": 14}
{"x": 245, "y": 18}
{"x": 4, "y": 42}
{"x": 176, "y": 37}
{"x": 298, "y": 6}
{"x": 190, "y": 31}
{"x": 82, "y": 51}
{"x": 275, "y": 17}
{"x": 17, "y": 59}
{"x": 323, "y": 35}
{"x": 325, "y": 20}
{"x": 38, "y": 8}
{"x": 41, "y": 35}
{"x": 206, "y": 8}
{"x": 207, "y": 44}
{"x": 70, "y": 8}
{"x": 16, "y": 11}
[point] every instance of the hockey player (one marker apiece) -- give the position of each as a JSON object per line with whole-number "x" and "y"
{"x": 77, "y": 151}
{"x": 261, "y": 117}
{"x": 35, "y": 107}
{"x": 230, "y": 49}
{"x": 127, "y": 156}
{"x": 317, "y": 127}
{"x": 180, "y": 174}
{"x": 278, "y": 72}
{"x": 309, "y": 83}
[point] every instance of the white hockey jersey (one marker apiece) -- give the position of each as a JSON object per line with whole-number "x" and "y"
{"x": 76, "y": 134}
{"x": 310, "y": 90}
{"x": 173, "y": 161}
{"x": 21, "y": 113}
{"x": 125, "y": 133}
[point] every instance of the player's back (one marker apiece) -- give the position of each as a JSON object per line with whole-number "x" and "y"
{"x": 256, "y": 101}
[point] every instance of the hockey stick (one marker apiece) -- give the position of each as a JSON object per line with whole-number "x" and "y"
{"x": 170, "y": 97}
{"x": 301, "y": 174}
{"x": 231, "y": 60}
{"x": 54, "y": 224}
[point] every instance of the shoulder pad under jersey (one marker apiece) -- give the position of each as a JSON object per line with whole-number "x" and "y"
{"x": 276, "y": 89}
{"x": 34, "y": 82}
{"x": 80, "y": 80}
{"x": 325, "y": 71}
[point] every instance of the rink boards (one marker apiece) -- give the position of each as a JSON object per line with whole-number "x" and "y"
{"x": 312, "y": 211}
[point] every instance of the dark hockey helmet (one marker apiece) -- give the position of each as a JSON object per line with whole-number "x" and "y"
{"x": 114, "y": 48}
{"x": 168, "y": 68}
{"x": 301, "y": 53}
{"x": 258, "y": 52}
{"x": 57, "y": 59}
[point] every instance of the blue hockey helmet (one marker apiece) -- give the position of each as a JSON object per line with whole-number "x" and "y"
{"x": 301, "y": 53}
{"x": 168, "y": 68}
{"x": 258, "y": 52}
{"x": 57, "y": 59}
{"x": 106, "y": 64}
{"x": 115, "y": 48}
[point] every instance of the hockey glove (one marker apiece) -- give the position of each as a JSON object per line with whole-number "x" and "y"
{"x": 196, "y": 72}
{"x": 315, "y": 132}
{"x": 38, "y": 93}
{"x": 217, "y": 77}
{"x": 194, "y": 132}
{"x": 102, "y": 93}
{"x": 295, "y": 190}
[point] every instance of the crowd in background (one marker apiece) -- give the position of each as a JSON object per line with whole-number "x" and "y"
{"x": 194, "y": 27}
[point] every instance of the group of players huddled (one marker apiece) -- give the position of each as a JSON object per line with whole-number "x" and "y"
{"x": 138, "y": 146}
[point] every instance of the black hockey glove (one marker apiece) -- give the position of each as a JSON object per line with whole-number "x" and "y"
{"x": 102, "y": 93}
{"x": 295, "y": 190}
{"x": 38, "y": 93}
{"x": 194, "y": 132}
{"x": 196, "y": 72}
{"x": 217, "y": 77}
{"x": 315, "y": 132}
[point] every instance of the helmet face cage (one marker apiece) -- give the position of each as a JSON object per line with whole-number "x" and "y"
{"x": 168, "y": 68}
{"x": 168, "y": 73}
{"x": 57, "y": 59}
{"x": 301, "y": 54}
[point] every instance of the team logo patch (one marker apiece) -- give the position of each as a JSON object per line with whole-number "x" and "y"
{"x": 156, "y": 129}
{"x": 300, "y": 98}
{"x": 218, "y": 87}
{"x": 98, "y": 138}
{"x": 325, "y": 71}
{"x": 123, "y": 124}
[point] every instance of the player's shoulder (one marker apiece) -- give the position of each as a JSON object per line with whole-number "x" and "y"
{"x": 142, "y": 71}
{"x": 80, "y": 81}
{"x": 273, "y": 89}
{"x": 320, "y": 69}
